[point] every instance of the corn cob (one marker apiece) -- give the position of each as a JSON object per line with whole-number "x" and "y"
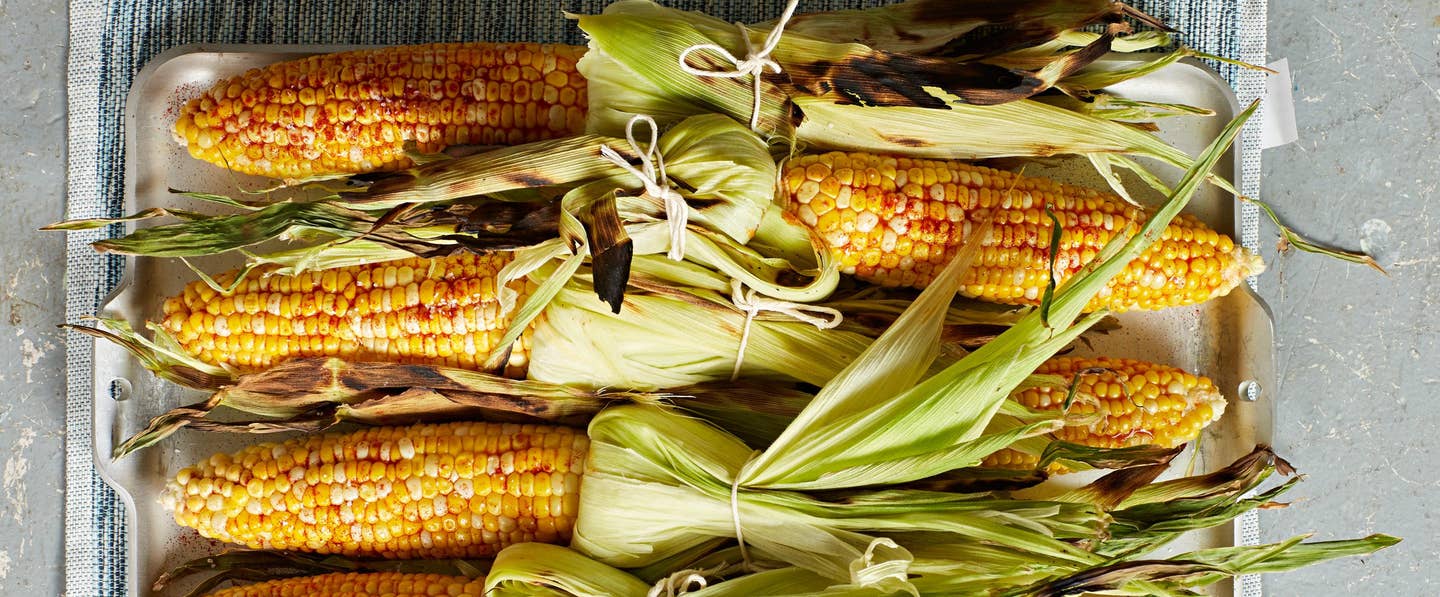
{"x": 441, "y": 311}
{"x": 455, "y": 490}
{"x": 896, "y": 221}
{"x": 1137, "y": 403}
{"x": 354, "y": 111}
{"x": 359, "y": 584}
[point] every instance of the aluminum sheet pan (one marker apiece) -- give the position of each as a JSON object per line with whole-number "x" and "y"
{"x": 1228, "y": 339}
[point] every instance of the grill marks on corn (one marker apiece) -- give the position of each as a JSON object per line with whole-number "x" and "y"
{"x": 457, "y": 490}
{"x": 352, "y": 584}
{"x": 440, "y": 311}
{"x": 896, "y": 221}
{"x": 354, "y": 111}
{"x": 1131, "y": 403}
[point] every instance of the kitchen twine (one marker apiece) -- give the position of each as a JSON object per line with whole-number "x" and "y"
{"x": 679, "y": 583}
{"x": 652, "y": 174}
{"x": 752, "y": 303}
{"x": 754, "y": 63}
{"x": 735, "y": 509}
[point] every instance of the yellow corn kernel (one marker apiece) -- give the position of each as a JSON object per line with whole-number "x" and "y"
{"x": 346, "y": 584}
{"x": 273, "y": 318}
{"x": 1134, "y": 403}
{"x": 925, "y": 220}
{"x": 354, "y": 111}
{"x": 434, "y": 509}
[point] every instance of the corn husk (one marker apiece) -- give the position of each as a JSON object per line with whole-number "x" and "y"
{"x": 633, "y": 68}
{"x": 951, "y": 27}
{"x": 580, "y": 350}
{"x": 539, "y": 570}
{"x": 554, "y": 201}
{"x": 911, "y": 103}
{"x": 880, "y": 421}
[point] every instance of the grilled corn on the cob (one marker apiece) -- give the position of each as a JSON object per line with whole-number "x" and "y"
{"x": 354, "y": 111}
{"x": 470, "y": 489}
{"x": 890, "y": 220}
{"x": 1135, "y": 403}
{"x": 360, "y": 584}
{"x": 440, "y": 311}
{"x": 896, "y": 221}
{"x": 456, "y": 490}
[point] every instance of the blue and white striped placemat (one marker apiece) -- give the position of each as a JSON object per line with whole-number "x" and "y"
{"x": 110, "y": 40}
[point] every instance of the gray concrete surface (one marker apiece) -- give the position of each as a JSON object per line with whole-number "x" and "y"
{"x": 1359, "y": 353}
{"x": 32, "y": 264}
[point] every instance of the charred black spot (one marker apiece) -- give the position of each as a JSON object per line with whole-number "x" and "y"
{"x": 796, "y": 114}
{"x": 611, "y": 270}
{"x": 422, "y": 375}
{"x": 703, "y": 203}
{"x": 375, "y": 177}
{"x": 353, "y": 381}
{"x": 504, "y": 358}
{"x": 904, "y": 35}
{"x": 527, "y": 179}
{"x": 905, "y": 141}
{"x": 518, "y": 404}
{"x": 889, "y": 79}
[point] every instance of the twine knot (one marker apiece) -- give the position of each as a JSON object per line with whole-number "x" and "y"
{"x": 652, "y": 174}
{"x": 752, "y": 303}
{"x": 754, "y": 63}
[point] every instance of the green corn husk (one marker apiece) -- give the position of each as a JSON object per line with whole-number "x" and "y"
{"x": 958, "y": 569}
{"x": 633, "y": 68}
{"x": 539, "y": 570}
{"x": 880, "y": 421}
{"x": 951, "y": 27}
{"x": 683, "y": 359}
{"x": 713, "y": 160}
{"x": 552, "y": 201}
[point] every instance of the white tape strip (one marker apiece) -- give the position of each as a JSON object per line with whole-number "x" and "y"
{"x": 1277, "y": 110}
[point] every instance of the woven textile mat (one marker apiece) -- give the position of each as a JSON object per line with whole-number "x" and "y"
{"x": 111, "y": 40}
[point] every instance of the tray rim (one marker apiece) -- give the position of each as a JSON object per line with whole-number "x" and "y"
{"x": 104, "y": 405}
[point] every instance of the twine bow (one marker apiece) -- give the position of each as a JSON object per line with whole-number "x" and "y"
{"x": 652, "y": 174}
{"x": 754, "y": 64}
{"x": 752, "y": 303}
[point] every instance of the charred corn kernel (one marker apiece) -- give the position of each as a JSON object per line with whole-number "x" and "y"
{"x": 1133, "y": 403}
{"x": 373, "y": 312}
{"x": 416, "y": 509}
{"x": 354, "y": 111}
{"x": 918, "y": 212}
{"x": 358, "y": 584}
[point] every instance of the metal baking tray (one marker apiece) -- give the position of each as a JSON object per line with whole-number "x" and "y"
{"x": 1228, "y": 339}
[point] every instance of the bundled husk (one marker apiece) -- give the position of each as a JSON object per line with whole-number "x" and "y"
{"x": 886, "y": 420}
{"x": 825, "y": 508}
{"x": 880, "y": 421}
{"x": 581, "y": 354}
{"x": 956, "y": 567}
{"x": 551, "y": 201}
{"x": 935, "y": 92}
